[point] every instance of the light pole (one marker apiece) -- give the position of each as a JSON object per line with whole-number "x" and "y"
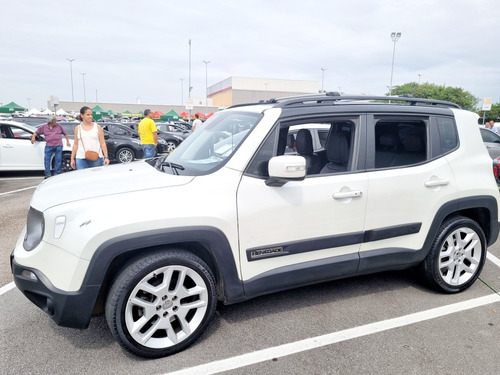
{"x": 84, "y": 94}
{"x": 29, "y": 103}
{"x": 206, "y": 86}
{"x": 323, "y": 79}
{"x": 189, "y": 82}
{"x": 419, "y": 75}
{"x": 182, "y": 91}
{"x": 394, "y": 36}
{"x": 71, "y": 72}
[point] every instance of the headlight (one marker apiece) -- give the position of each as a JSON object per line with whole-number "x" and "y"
{"x": 34, "y": 229}
{"x": 162, "y": 141}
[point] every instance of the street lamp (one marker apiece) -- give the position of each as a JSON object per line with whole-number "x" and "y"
{"x": 71, "y": 71}
{"x": 182, "y": 90}
{"x": 84, "y": 94}
{"x": 189, "y": 82}
{"x": 419, "y": 75}
{"x": 323, "y": 79}
{"x": 394, "y": 36}
{"x": 206, "y": 86}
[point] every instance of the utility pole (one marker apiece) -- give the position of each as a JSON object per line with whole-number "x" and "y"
{"x": 206, "y": 86}
{"x": 394, "y": 36}
{"x": 71, "y": 72}
{"x": 84, "y": 94}
{"x": 323, "y": 79}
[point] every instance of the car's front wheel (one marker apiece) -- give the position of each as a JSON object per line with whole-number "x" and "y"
{"x": 170, "y": 146}
{"x": 66, "y": 162}
{"x": 456, "y": 257}
{"x": 125, "y": 155}
{"x": 160, "y": 304}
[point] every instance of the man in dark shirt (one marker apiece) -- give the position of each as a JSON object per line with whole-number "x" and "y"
{"x": 53, "y": 136}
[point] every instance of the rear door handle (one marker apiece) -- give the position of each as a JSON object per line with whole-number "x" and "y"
{"x": 434, "y": 183}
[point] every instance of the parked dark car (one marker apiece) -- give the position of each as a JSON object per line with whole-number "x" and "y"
{"x": 496, "y": 170}
{"x": 172, "y": 134}
{"x": 122, "y": 148}
{"x": 491, "y": 141}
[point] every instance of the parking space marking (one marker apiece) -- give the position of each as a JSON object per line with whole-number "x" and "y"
{"x": 6, "y": 288}
{"x": 335, "y": 337}
{"x": 493, "y": 258}
{"x": 18, "y": 190}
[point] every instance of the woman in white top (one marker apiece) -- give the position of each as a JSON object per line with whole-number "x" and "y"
{"x": 88, "y": 137}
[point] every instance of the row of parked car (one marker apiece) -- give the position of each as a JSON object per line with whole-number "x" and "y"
{"x": 122, "y": 141}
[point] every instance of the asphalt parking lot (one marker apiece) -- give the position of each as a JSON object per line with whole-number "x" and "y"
{"x": 387, "y": 323}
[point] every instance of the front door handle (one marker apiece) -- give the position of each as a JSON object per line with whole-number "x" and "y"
{"x": 347, "y": 194}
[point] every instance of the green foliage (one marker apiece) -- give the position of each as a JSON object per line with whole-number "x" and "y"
{"x": 431, "y": 91}
{"x": 494, "y": 114}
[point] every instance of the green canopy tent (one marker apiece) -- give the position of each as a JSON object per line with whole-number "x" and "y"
{"x": 11, "y": 108}
{"x": 172, "y": 115}
{"x": 98, "y": 112}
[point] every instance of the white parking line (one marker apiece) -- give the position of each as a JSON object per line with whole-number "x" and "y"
{"x": 335, "y": 337}
{"x": 493, "y": 258}
{"x": 6, "y": 288}
{"x": 16, "y": 191}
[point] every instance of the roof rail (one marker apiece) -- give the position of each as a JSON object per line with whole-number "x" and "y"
{"x": 335, "y": 97}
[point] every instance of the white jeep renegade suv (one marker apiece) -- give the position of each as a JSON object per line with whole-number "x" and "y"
{"x": 399, "y": 183}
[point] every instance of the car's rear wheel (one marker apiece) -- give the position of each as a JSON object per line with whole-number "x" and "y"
{"x": 160, "y": 304}
{"x": 456, "y": 257}
{"x": 125, "y": 155}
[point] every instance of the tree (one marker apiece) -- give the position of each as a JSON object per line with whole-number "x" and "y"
{"x": 431, "y": 91}
{"x": 493, "y": 114}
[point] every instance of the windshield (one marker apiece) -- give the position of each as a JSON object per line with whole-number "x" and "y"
{"x": 211, "y": 145}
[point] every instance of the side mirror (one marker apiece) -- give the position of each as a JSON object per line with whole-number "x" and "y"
{"x": 286, "y": 168}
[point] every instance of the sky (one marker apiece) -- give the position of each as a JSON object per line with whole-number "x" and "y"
{"x": 131, "y": 50}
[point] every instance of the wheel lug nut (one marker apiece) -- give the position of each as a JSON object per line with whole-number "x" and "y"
{"x": 164, "y": 298}
{"x": 158, "y": 307}
{"x": 165, "y": 314}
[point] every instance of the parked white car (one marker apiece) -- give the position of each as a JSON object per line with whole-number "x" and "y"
{"x": 17, "y": 153}
{"x": 398, "y": 183}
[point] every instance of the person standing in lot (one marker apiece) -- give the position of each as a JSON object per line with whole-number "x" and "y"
{"x": 196, "y": 123}
{"x": 491, "y": 125}
{"x": 88, "y": 137}
{"x": 53, "y": 137}
{"x": 148, "y": 134}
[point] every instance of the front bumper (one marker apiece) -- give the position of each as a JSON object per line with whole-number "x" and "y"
{"x": 67, "y": 309}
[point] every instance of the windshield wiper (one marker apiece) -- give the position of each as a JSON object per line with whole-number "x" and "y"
{"x": 173, "y": 166}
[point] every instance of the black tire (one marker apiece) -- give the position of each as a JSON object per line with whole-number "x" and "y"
{"x": 456, "y": 257}
{"x": 66, "y": 162}
{"x": 125, "y": 155}
{"x": 148, "y": 308}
